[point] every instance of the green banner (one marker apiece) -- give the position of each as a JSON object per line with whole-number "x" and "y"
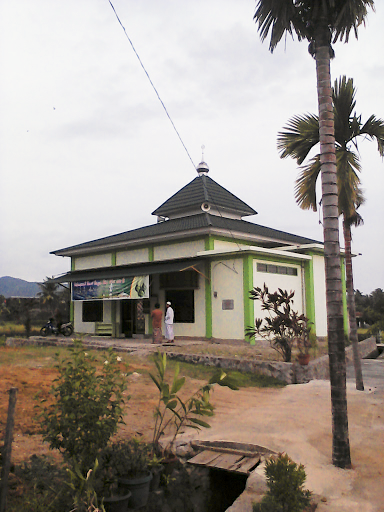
{"x": 136, "y": 287}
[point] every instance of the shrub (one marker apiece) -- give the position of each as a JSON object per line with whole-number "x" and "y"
{"x": 40, "y": 487}
{"x": 285, "y": 481}
{"x": 87, "y": 406}
{"x": 171, "y": 410}
{"x": 283, "y": 327}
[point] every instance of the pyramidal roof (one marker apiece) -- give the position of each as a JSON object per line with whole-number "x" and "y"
{"x": 203, "y": 193}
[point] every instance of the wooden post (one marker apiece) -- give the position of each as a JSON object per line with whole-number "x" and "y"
{"x": 7, "y": 449}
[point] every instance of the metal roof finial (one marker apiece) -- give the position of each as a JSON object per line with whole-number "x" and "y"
{"x": 202, "y": 168}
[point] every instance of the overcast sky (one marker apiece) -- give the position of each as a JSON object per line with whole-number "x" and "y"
{"x": 87, "y": 150}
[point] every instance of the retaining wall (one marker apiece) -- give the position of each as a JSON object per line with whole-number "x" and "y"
{"x": 291, "y": 373}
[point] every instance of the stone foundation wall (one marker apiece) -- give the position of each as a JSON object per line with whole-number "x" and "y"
{"x": 291, "y": 373}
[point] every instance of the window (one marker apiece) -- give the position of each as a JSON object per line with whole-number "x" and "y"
{"x": 183, "y": 304}
{"x": 93, "y": 311}
{"x": 276, "y": 269}
{"x": 179, "y": 280}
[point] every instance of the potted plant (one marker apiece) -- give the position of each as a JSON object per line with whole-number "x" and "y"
{"x": 129, "y": 463}
{"x": 97, "y": 490}
{"x": 156, "y": 467}
{"x": 303, "y": 344}
{"x": 173, "y": 414}
{"x": 283, "y": 327}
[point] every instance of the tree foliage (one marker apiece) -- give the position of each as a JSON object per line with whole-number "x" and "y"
{"x": 87, "y": 405}
{"x": 282, "y": 327}
{"x": 371, "y": 306}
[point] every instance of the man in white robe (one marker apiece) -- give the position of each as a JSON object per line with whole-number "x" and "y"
{"x": 168, "y": 320}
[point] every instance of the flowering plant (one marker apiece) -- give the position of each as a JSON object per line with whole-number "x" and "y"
{"x": 283, "y": 327}
{"x": 87, "y": 406}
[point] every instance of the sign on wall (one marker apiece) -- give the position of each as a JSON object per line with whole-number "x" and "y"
{"x": 136, "y": 287}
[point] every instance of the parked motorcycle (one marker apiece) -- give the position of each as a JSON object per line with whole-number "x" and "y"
{"x": 49, "y": 329}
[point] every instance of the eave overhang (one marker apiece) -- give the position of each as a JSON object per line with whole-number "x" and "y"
{"x": 141, "y": 269}
{"x": 170, "y": 237}
{"x": 254, "y": 251}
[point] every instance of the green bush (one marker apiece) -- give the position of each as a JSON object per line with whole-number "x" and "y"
{"x": 285, "y": 481}
{"x": 42, "y": 487}
{"x": 87, "y": 406}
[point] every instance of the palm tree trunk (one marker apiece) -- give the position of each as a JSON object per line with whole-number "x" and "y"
{"x": 351, "y": 306}
{"x": 336, "y": 349}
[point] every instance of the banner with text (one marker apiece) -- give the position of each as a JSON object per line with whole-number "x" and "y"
{"x": 136, "y": 287}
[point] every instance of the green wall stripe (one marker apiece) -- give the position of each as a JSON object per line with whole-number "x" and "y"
{"x": 345, "y": 305}
{"x": 209, "y": 243}
{"x": 208, "y": 301}
{"x": 310, "y": 294}
{"x": 150, "y": 253}
{"x": 247, "y": 287}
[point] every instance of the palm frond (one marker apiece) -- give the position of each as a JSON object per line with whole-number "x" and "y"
{"x": 347, "y": 15}
{"x": 374, "y": 128}
{"x": 348, "y": 182}
{"x": 305, "y": 188}
{"x": 278, "y": 18}
{"x": 299, "y": 136}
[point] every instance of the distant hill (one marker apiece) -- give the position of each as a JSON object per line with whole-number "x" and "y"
{"x": 14, "y": 287}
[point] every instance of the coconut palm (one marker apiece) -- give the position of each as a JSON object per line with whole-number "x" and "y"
{"x": 322, "y": 23}
{"x": 48, "y": 293}
{"x": 298, "y": 138}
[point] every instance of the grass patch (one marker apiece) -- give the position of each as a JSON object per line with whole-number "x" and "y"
{"x": 241, "y": 379}
{"x": 46, "y": 356}
{"x": 10, "y": 329}
{"x": 23, "y": 356}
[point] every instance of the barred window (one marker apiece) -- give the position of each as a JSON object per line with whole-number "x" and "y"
{"x": 276, "y": 269}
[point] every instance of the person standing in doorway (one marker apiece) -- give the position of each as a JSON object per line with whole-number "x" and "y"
{"x": 169, "y": 316}
{"x": 157, "y": 316}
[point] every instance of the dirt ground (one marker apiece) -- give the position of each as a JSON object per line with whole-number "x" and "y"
{"x": 296, "y": 419}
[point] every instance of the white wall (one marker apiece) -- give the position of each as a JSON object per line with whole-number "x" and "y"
{"x": 227, "y": 282}
{"x": 275, "y": 281}
{"x": 135, "y": 256}
{"x": 320, "y": 295}
{"x": 79, "y": 325}
{"x": 93, "y": 261}
{"x": 181, "y": 250}
{"x": 222, "y": 245}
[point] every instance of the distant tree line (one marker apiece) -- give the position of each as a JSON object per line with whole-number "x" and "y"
{"x": 36, "y": 311}
{"x": 370, "y": 309}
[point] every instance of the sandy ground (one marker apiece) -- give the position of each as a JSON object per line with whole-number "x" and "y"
{"x": 297, "y": 420}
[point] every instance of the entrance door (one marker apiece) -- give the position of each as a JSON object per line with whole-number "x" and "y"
{"x": 132, "y": 317}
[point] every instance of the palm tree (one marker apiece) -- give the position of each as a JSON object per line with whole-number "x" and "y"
{"x": 48, "y": 293}
{"x": 299, "y": 136}
{"x": 320, "y": 23}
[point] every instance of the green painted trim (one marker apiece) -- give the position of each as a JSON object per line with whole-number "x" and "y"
{"x": 345, "y": 305}
{"x": 247, "y": 287}
{"x": 71, "y": 304}
{"x": 113, "y": 259}
{"x": 208, "y": 301}
{"x": 209, "y": 243}
{"x": 310, "y": 294}
{"x": 150, "y": 253}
